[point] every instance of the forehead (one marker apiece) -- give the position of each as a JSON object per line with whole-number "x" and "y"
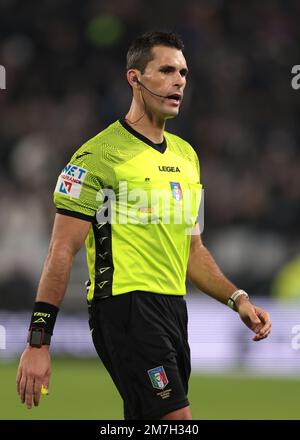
{"x": 163, "y": 55}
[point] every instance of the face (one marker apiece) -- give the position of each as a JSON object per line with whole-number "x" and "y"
{"x": 164, "y": 75}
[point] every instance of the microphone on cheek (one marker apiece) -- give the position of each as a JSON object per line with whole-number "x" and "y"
{"x": 135, "y": 79}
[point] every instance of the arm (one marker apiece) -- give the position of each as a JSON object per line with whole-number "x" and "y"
{"x": 67, "y": 238}
{"x": 204, "y": 272}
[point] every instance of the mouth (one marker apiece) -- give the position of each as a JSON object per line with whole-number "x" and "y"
{"x": 176, "y": 98}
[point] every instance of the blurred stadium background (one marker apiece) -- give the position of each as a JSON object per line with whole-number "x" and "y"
{"x": 65, "y": 67}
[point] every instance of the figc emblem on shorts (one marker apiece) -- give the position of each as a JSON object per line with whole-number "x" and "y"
{"x": 158, "y": 378}
{"x": 176, "y": 190}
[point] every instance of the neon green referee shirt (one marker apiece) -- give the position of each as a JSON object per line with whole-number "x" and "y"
{"x": 142, "y": 200}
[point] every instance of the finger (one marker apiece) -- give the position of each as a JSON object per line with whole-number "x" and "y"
{"x": 256, "y": 329}
{"x": 266, "y": 328}
{"x": 37, "y": 391}
{"x": 255, "y": 321}
{"x": 18, "y": 379}
{"x": 46, "y": 382}
{"x": 265, "y": 322}
{"x": 29, "y": 392}
{"x": 23, "y": 387}
{"x": 265, "y": 334}
{"x": 259, "y": 337}
{"x": 264, "y": 316}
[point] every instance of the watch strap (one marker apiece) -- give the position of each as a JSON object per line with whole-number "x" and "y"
{"x": 38, "y": 337}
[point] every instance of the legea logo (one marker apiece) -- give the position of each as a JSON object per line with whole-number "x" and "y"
{"x": 2, "y": 78}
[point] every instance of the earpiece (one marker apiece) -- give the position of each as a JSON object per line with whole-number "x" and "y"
{"x": 135, "y": 79}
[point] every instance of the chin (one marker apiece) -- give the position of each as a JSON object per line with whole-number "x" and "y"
{"x": 165, "y": 113}
{"x": 172, "y": 114}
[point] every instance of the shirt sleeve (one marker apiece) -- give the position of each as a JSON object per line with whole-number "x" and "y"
{"x": 77, "y": 187}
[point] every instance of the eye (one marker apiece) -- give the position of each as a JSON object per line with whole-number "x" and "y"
{"x": 166, "y": 69}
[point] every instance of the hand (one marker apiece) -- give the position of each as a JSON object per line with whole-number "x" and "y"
{"x": 33, "y": 372}
{"x": 255, "y": 318}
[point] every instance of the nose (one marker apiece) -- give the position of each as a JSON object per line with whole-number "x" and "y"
{"x": 180, "y": 80}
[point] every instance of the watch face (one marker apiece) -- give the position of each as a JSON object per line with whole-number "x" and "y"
{"x": 36, "y": 337}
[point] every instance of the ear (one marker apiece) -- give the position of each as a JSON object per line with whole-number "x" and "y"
{"x": 132, "y": 78}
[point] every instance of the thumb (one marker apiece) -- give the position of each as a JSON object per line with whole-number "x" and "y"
{"x": 254, "y": 318}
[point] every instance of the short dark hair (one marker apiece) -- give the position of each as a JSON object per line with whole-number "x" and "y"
{"x": 139, "y": 53}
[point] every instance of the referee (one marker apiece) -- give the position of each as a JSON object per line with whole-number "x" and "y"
{"x": 131, "y": 194}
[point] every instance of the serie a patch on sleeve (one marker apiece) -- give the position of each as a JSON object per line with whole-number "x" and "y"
{"x": 71, "y": 180}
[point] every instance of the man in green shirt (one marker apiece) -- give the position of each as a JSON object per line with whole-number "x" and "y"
{"x": 132, "y": 193}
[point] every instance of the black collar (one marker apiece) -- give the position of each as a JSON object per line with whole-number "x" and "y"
{"x": 159, "y": 147}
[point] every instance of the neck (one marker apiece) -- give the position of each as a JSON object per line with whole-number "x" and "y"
{"x": 145, "y": 123}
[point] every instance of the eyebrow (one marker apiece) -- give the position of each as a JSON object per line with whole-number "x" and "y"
{"x": 184, "y": 70}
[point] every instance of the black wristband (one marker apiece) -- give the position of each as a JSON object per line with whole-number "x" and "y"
{"x": 37, "y": 337}
{"x": 44, "y": 317}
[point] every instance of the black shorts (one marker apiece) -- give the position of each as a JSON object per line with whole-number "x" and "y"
{"x": 141, "y": 338}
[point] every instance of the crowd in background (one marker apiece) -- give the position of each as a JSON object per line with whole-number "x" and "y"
{"x": 65, "y": 67}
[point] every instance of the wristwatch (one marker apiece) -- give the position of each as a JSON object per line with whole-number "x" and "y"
{"x": 234, "y": 296}
{"x": 38, "y": 337}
